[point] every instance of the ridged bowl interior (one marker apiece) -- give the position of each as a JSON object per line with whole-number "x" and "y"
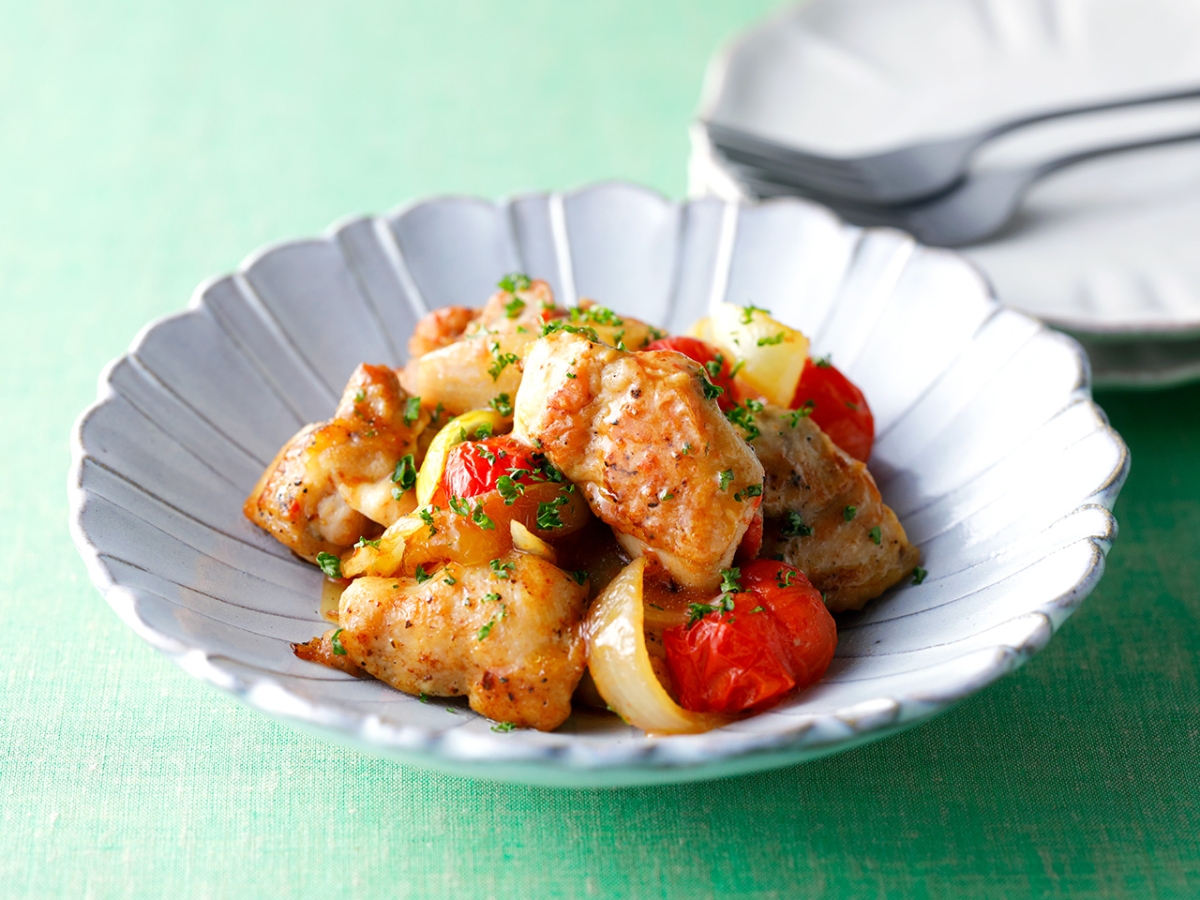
{"x": 989, "y": 449}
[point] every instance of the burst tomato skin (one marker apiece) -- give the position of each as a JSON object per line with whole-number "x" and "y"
{"x": 703, "y": 353}
{"x": 838, "y": 406}
{"x": 775, "y": 639}
{"x": 474, "y": 467}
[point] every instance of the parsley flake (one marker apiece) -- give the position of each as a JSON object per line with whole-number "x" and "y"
{"x": 502, "y": 404}
{"x": 421, "y": 575}
{"x": 480, "y": 518}
{"x": 363, "y": 542}
{"x": 749, "y": 310}
{"x": 771, "y": 341}
{"x": 405, "y": 473}
{"x": 503, "y": 727}
{"x": 330, "y": 564}
{"x": 784, "y": 577}
{"x": 849, "y": 513}
{"x": 509, "y": 489}
{"x": 513, "y": 282}
{"x": 919, "y": 574}
{"x": 360, "y": 395}
{"x": 485, "y": 630}
{"x": 335, "y": 639}
{"x": 427, "y": 518}
{"x": 750, "y": 490}
{"x": 724, "y": 478}
{"x": 502, "y": 569}
{"x": 876, "y": 535}
{"x": 711, "y": 391}
{"x": 547, "y": 513}
{"x": 460, "y": 506}
{"x": 412, "y": 409}
{"x": 513, "y": 307}
{"x": 793, "y": 525}
{"x": 580, "y": 576}
{"x": 450, "y": 579}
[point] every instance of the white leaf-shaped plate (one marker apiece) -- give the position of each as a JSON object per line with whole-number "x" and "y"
{"x": 1106, "y": 250}
{"x": 989, "y": 449}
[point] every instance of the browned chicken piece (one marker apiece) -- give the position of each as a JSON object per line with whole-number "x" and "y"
{"x": 508, "y": 638}
{"x": 654, "y": 457}
{"x": 439, "y": 328}
{"x": 332, "y": 483}
{"x": 485, "y": 360}
{"x": 824, "y": 514}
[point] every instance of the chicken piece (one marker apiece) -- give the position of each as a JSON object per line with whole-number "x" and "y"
{"x": 439, "y": 328}
{"x": 824, "y": 514}
{"x": 332, "y": 483}
{"x": 654, "y": 457}
{"x": 486, "y": 360}
{"x": 508, "y": 637}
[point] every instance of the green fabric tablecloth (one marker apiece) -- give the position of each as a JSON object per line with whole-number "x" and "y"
{"x": 145, "y": 146}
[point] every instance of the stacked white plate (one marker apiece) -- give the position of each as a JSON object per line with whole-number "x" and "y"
{"x": 1106, "y": 251}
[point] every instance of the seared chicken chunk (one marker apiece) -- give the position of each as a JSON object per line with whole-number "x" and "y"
{"x": 506, "y": 637}
{"x": 331, "y": 483}
{"x": 824, "y": 514}
{"x": 485, "y": 358}
{"x": 654, "y": 457}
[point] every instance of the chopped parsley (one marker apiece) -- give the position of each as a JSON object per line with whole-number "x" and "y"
{"x": 823, "y": 362}
{"x": 760, "y": 608}
{"x": 502, "y": 569}
{"x": 784, "y": 577}
{"x": 450, "y": 579}
{"x": 713, "y": 366}
{"x": 737, "y": 367}
{"x": 483, "y": 431}
{"x": 919, "y": 574}
{"x": 793, "y": 525}
{"x": 876, "y": 535}
{"x": 502, "y": 404}
{"x": 724, "y": 478}
{"x": 485, "y": 630}
{"x": 335, "y": 640}
{"x": 405, "y": 473}
{"x": 427, "y": 518}
{"x": 513, "y": 307}
{"x": 742, "y": 416}
{"x": 579, "y": 575}
{"x": 750, "y": 490}
{"x": 547, "y": 513}
{"x": 597, "y": 315}
{"x": 730, "y": 585}
{"x": 666, "y": 495}
{"x": 711, "y": 391}
{"x": 486, "y": 452}
{"x": 802, "y": 413}
{"x": 412, "y": 409}
{"x": 502, "y": 361}
{"x": 491, "y": 597}
{"x": 585, "y": 330}
{"x": 503, "y": 727}
{"x": 423, "y": 697}
{"x": 330, "y": 564}
{"x": 360, "y": 395}
{"x": 849, "y": 513}
{"x": 749, "y": 310}
{"x": 460, "y": 506}
{"x": 421, "y": 575}
{"x": 687, "y": 448}
{"x": 513, "y": 282}
{"x": 771, "y": 341}
{"x": 852, "y": 406}
{"x": 480, "y": 518}
{"x": 363, "y": 542}
{"x": 509, "y": 489}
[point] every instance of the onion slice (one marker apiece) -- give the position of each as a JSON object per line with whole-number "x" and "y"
{"x": 620, "y": 665}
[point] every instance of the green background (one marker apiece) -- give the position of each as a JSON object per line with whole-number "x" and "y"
{"x": 146, "y": 146}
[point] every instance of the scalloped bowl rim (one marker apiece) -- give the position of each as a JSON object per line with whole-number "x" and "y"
{"x": 574, "y": 762}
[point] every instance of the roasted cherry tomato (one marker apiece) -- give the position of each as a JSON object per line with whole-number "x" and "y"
{"x": 720, "y": 373}
{"x": 777, "y": 636}
{"x": 838, "y": 407}
{"x": 474, "y": 467}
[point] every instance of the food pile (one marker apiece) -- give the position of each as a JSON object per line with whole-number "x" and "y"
{"x": 552, "y": 505}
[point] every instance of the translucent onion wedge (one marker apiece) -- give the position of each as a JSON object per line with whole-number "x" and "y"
{"x": 453, "y": 432}
{"x": 772, "y": 354}
{"x": 386, "y": 559}
{"x": 528, "y": 542}
{"x": 620, "y": 665}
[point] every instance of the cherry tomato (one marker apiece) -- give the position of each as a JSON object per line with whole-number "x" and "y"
{"x": 838, "y": 407}
{"x": 720, "y": 373}
{"x": 778, "y": 636}
{"x": 474, "y": 467}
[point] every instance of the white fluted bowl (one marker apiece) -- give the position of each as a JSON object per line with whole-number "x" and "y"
{"x": 989, "y": 449}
